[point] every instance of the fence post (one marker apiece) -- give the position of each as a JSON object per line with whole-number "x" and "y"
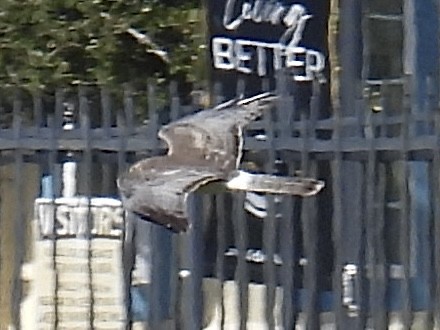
{"x": 347, "y": 221}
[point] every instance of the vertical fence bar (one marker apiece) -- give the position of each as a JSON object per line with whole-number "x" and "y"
{"x": 37, "y": 109}
{"x": 286, "y": 112}
{"x": 270, "y": 224}
{"x": 128, "y": 249}
{"x": 129, "y": 108}
{"x": 431, "y": 108}
{"x": 60, "y": 98}
{"x": 310, "y": 231}
{"x": 158, "y": 297}
{"x": 289, "y": 223}
{"x": 49, "y": 191}
{"x": 161, "y": 300}
{"x": 55, "y": 127}
{"x": 241, "y": 275}
{"x": 175, "y": 295}
{"x": 435, "y": 192}
{"x": 85, "y": 127}
{"x": 158, "y": 269}
{"x": 106, "y": 111}
{"x": 269, "y": 268}
{"x": 381, "y": 317}
{"x": 436, "y": 205}
{"x": 375, "y": 269}
{"x": 309, "y": 215}
{"x": 174, "y": 282}
{"x": 129, "y": 113}
{"x": 122, "y": 137}
{"x": 153, "y": 116}
{"x": 164, "y": 295}
{"x": 220, "y": 203}
{"x": 404, "y": 232}
{"x": 128, "y": 260}
{"x": 153, "y": 243}
{"x": 19, "y": 220}
{"x": 241, "y": 272}
{"x": 337, "y": 220}
{"x": 288, "y": 255}
{"x": 191, "y": 265}
{"x": 361, "y": 283}
{"x": 347, "y": 224}
{"x": 106, "y": 115}
{"x": 366, "y": 35}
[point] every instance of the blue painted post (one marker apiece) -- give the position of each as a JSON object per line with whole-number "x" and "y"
{"x": 47, "y": 190}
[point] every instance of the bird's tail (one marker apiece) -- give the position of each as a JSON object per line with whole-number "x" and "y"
{"x": 274, "y": 184}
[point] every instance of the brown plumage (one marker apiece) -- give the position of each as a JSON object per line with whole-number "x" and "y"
{"x": 204, "y": 147}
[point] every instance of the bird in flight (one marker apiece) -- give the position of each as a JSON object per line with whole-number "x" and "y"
{"x": 203, "y": 148}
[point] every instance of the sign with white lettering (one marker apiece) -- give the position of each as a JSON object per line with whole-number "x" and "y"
{"x": 75, "y": 276}
{"x": 252, "y": 39}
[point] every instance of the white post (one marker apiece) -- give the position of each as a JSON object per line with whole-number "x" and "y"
{"x": 69, "y": 179}
{"x": 69, "y": 168}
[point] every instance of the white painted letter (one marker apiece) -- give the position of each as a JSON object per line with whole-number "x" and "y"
{"x": 298, "y": 32}
{"x": 62, "y": 216}
{"x": 291, "y": 56}
{"x": 223, "y": 57}
{"x": 46, "y": 216}
{"x": 277, "y": 58}
{"x": 294, "y": 15}
{"x": 292, "y": 61}
{"x": 262, "y": 65}
{"x": 241, "y": 57}
{"x": 315, "y": 63}
{"x": 228, "y": 23}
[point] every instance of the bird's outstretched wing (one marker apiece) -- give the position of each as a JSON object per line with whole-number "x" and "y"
{"x": 214, "y": 136}
{"x": 159, "y": 194}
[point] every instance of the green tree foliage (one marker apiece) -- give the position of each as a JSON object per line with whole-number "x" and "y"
{"x": 47, "y": 43}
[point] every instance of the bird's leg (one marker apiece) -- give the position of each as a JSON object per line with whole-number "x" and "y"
{"x": 273, "y": 184}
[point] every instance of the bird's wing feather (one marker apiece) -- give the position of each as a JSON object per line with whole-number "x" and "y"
{"x": 160, "y": 196}
{"x": 214, "y": 135}
{"x": 274, "y": 184}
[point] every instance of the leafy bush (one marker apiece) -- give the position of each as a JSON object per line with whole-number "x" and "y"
{"x": 47, "y": 43}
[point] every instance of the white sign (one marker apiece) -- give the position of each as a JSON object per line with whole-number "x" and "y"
{"x": 237, "y": 54}
{"x": 73, "y": 280}
{"x": 70, "y": 216}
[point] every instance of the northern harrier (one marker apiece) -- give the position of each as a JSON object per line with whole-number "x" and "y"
{"x": 203, "y": 148}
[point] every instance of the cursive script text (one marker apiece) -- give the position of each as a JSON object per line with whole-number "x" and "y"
{"x": 293, "y": 17}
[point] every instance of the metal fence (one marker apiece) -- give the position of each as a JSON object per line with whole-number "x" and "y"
{"x": 364, "y": 253}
